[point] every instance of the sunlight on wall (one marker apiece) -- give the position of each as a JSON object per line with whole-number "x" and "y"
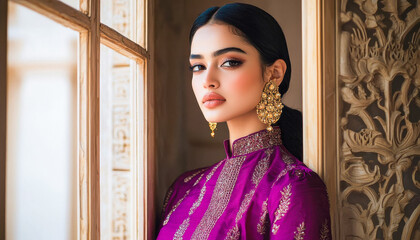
{"x": 41, "y": 128}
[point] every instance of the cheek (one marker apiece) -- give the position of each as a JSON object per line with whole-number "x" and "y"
{"x": 247, "y": 85}
{"x": 196, "y": 89}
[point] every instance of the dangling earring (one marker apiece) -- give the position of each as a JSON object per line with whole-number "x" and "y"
{"x": 212, "y": 128}
{"x": 270, "y": 107}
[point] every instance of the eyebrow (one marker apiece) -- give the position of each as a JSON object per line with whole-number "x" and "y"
{"x": 219, "y": 52}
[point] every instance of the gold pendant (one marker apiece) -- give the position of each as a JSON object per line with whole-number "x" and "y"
{"x": 212, "y": 128}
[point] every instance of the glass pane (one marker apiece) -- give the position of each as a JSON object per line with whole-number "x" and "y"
{"x": 72, "y": 3}
{"x": 41, "y": 128}
{"x": 126, "y": 17}
{"x": 121, "y": 108}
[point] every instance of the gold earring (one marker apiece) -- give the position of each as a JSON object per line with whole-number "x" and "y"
{"x": 212, "y": 128}
{"x": 270, "y": 107}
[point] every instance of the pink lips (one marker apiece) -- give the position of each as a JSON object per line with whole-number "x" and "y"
{"x": 212, "y": 100}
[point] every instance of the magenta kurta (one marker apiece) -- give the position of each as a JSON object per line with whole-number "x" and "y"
{"x": 259, "y": 191}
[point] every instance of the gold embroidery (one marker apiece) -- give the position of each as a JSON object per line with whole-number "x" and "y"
{"x": 180, "y": 200}
{"x": 298, "y": 173}
{"x": 198, "y": 179}
{"x": 233, "y": 234}
{"x": 197, "y": 203}
{"x": 187, "y": 179}
{"x": 257, "y": 175}
{"x": 286, "y": 193}
{"x": 260, "y": 140}
{"x": 262, "y": 225}
{"x": 324, "y": 233}
{"x": 283, "y": 207}
{"x": 168, "y": 196}
{"x": 300, "y": 231}
{"x": 220, "y": 198}
{"x": 181, "y": 230}
{"x": 183, "y": 227}
{"x": 283, "y": 172}
{"x": 175, "y": 207}
{"x": 287, "y": 158}
{"x": 244, "y": 205}
{"x": 261, "y": 167}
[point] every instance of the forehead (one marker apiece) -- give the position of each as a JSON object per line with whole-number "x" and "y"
{"x": 212, "y": 37}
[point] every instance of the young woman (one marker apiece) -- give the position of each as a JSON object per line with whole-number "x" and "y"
{"x": 261, "y": 190}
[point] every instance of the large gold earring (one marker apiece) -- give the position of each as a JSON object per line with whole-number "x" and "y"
{"x": 212, "y": 128}
{"x": 270, "y": 107}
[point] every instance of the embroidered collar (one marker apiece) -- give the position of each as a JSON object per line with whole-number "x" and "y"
{"x": 253, "y": 142}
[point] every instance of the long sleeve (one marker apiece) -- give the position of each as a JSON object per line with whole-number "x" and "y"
{"x": 176, "y": 193}
{"x": 298, "y": 207}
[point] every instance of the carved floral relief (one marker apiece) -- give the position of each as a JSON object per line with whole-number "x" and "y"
{"x": 379, "y": 107}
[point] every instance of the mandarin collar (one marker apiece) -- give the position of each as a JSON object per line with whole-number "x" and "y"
{"x": 253, "y": 142}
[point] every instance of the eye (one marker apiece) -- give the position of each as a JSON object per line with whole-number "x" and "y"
{"x": 231, "y": 63}
{"x": 197, "y": 67}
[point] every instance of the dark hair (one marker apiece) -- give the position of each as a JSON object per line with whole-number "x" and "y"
{"x": 262, "y": 31}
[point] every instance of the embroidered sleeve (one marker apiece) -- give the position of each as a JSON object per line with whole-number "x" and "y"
{"x": 176, "y": 193}
{"x": 166, "y": 200}
{"x": 298, "y": 207}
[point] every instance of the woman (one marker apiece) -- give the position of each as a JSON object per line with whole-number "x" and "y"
{"x": 261, "y": 190}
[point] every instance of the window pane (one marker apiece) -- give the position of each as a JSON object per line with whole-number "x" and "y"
{"x": 41, "y": 128}
{"x": 72, "y": 3}
{"x": 126, "y": 17}
{"x": 121, "y": 145}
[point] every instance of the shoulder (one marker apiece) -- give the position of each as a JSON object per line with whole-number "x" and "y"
{"x": 304, "y": 183}
{"x": 296, "y": 174}
{"x": 182, "y": 184}
{"x": 300, "y": 200}
{"x": 298, "y": 183}
{"x": 189, "y": 179}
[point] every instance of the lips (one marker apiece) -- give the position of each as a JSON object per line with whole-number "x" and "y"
{"x": 211, "y": 100}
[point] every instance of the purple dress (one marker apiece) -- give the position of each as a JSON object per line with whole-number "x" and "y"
{"x": 259, "y": 191}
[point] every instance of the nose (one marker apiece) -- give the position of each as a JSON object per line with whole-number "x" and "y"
{"x": 211, "y": 79}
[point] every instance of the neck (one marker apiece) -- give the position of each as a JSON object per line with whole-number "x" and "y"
{"x": 243, "y": 126}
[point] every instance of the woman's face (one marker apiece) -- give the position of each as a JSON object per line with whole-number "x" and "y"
{"x": 227, "y": 75}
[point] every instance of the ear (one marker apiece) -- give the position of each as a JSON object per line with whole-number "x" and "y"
{"x": 277, "y": 71}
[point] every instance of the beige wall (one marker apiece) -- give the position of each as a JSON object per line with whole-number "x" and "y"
{"x": 182, "y": 134}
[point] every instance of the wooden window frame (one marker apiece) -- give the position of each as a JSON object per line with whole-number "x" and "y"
{"x": 320, "y": 134}
{"x": 3, "y": 103}
{"x": 92, "y": 33}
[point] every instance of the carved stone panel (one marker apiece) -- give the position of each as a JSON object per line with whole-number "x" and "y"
{"x": 120, "y": 15}
{"x": 121, "y": 205}
{"x": 379, "y": 113}
{"x": 118, "y": 147}
{"x": 118, "y": 208}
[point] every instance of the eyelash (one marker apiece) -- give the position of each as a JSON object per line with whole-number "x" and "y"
{"x": 233, "y": 63}
{"x": 236, "y": 63}
{"x": 194, "y": 66}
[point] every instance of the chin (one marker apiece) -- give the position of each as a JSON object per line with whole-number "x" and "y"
{"x": 214, "y": 118}
{"x": 211, "y": 116}
{"x": 217, "y": 118}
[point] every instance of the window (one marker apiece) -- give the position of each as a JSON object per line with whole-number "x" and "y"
{"x": 77, "y": 124}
